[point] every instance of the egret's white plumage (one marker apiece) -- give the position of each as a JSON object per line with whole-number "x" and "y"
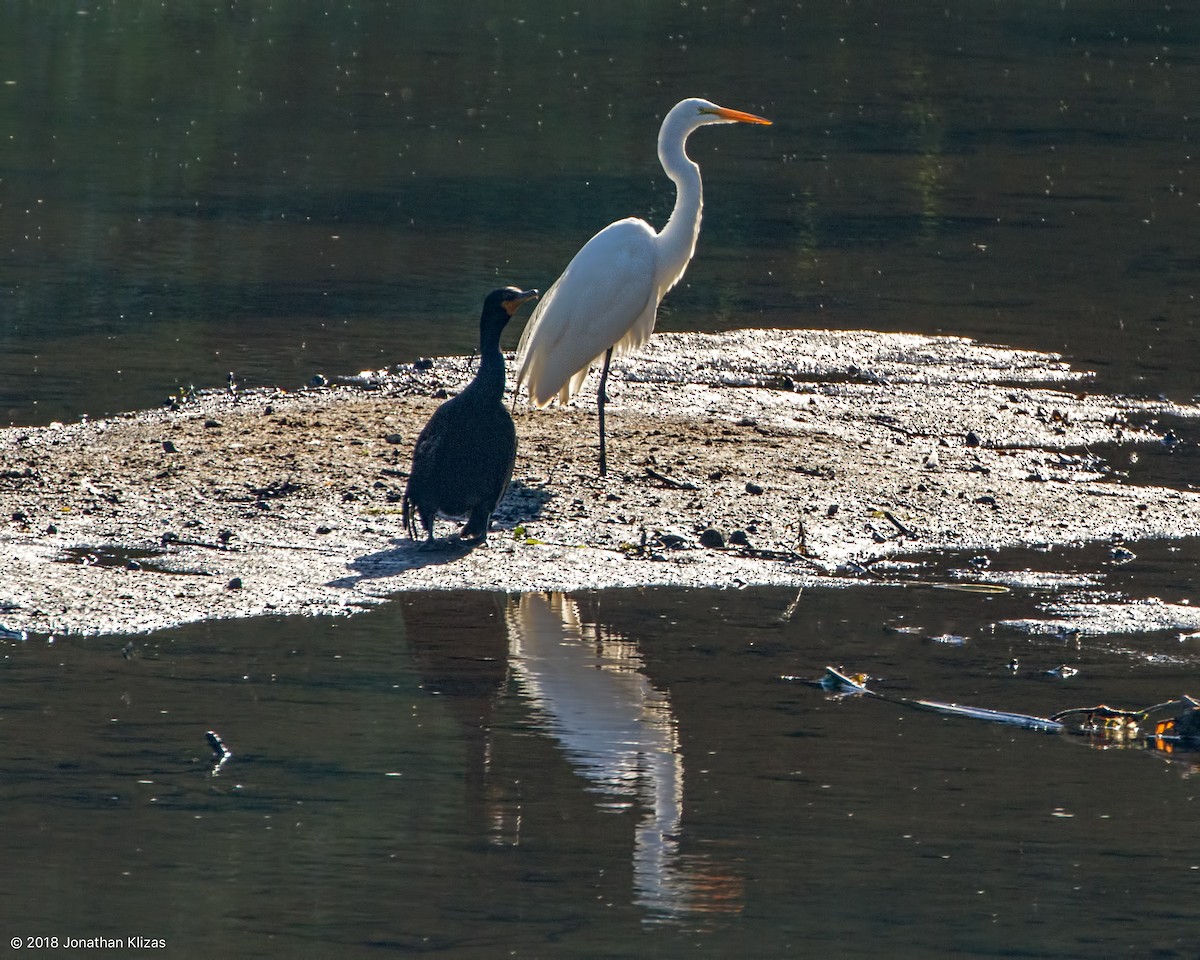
{"x": 605, "y": 298}
{"x": 605, "y": 302}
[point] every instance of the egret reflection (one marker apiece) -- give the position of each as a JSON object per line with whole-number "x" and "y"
{"x": 618, "y": 731}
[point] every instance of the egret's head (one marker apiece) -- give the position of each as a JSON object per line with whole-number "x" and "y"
{"x": 697, "y": 111}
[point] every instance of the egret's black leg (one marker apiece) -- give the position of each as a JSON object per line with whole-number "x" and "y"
{"x": 601, "y": 400}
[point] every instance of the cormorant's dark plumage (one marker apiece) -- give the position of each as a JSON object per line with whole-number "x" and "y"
{"x": 465, "y": 454}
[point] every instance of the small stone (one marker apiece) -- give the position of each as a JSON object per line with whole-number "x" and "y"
{"x": 323, "y": 529}
{"x": 318, "y": 380}
{"x": 211, "y": 424}
{"x": 972, "y": 439}
{"x": 739, "y": 539}
{"x": 234, "y": 584}
{"x": 168, "y": 447}
{"x": 753, "y": 488}
{"x": 712, "y": 538}
{"x": 20, "y": 516}
{"x": 393, "y": 438}
{"x": 424, "y": 363}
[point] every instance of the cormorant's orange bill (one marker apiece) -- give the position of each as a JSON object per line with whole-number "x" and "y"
{"x": 726, "y": 114}
{"x": 524, "y": 296}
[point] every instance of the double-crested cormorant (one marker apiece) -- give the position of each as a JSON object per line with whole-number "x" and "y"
{"x": 465, "y": 454}
{"x": 605, "y": 302}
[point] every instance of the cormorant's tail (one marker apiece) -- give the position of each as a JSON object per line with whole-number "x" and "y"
{"x": 408, "y": 515}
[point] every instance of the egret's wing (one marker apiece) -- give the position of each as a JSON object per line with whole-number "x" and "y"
{"x": 605, "y": 298}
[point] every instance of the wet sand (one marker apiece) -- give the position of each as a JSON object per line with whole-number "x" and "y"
{"x": 752, "y": 457}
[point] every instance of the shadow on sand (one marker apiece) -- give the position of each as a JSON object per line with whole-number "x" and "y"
{"x": 520, "y": 503}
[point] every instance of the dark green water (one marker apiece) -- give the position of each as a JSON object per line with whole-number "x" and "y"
{"x": 285, "y": 189}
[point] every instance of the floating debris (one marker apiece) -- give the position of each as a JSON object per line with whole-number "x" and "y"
{"x": 989, "y": 588}
{"x": 1167, "y": 727}
{"x": 221, "y": 753}
{"x": 837, "y": 682}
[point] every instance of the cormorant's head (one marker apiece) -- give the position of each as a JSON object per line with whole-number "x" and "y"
{"x": 506, "y": 301}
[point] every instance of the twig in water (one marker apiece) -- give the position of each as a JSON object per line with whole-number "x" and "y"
{"x": 790, "y": 611}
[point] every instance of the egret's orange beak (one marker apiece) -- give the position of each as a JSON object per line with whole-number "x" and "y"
{"x": 738, "y": 116}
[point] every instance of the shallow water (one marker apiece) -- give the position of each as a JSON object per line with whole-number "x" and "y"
{"x": 615, "y": 774}
{"x": 279, "y": 190}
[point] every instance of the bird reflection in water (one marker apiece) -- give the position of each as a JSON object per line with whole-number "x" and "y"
{"x": 619, "y": 732}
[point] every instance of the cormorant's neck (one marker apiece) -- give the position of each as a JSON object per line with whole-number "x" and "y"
{"x": 490, "y": 378}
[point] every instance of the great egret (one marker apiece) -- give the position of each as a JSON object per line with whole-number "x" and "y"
{"x": 605, "y": 302}
{"x": 464, "y": 456}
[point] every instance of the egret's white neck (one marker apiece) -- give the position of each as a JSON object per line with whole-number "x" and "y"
{"x": 677, "y": 240}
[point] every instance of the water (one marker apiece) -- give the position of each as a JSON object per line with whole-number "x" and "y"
{"x": 611, "y": 774}
{"x": 282, "y": 190}
{"x": 285, "y": 189}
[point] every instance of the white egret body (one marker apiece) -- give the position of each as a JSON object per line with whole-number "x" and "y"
{"x": 605, "y": 302}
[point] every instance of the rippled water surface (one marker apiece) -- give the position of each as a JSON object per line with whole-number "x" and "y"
{"x": 280, "y": 190}
{"x": 286, "y": 189}
{"x": 616, "y": 774}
